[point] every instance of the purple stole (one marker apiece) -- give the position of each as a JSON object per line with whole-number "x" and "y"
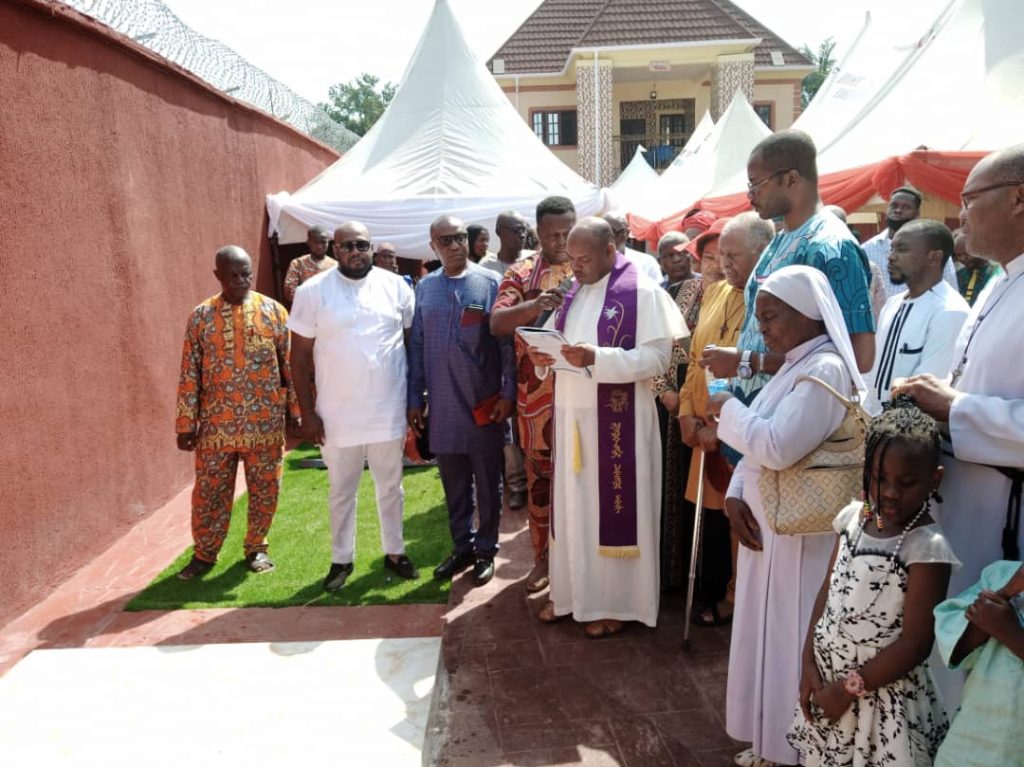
{"x": 616, "y": 416}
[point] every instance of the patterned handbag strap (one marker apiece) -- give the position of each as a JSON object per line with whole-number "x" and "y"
{"x": 852, "y": 406}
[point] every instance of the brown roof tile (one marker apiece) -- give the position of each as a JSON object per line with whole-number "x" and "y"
{"x": 543, "y": 42}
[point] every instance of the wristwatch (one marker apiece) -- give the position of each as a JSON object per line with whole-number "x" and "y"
{"x": 744, "y": 370}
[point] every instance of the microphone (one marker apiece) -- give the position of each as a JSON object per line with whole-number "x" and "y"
{"x": 563, "y": 286}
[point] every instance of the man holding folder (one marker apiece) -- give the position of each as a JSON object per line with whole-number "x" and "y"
{"x": 461, "y": 387}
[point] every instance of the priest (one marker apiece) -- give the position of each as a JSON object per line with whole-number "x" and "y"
{"x": 982, "y": 402}
{"x": 983, "y": 399}
{"x": 619, "y": 326}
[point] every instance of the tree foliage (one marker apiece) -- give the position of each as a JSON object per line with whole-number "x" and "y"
{"x": 359, "y": 103}
{"x": 823, "y": 63}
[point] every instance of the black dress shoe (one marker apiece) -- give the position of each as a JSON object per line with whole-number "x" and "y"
{"x": 403, "y": 566}
{"x": 337, "y": 576}
{"x": 455, "y": 563}
{"x": 483, "y": 571}
{"x": 517, "y": 499}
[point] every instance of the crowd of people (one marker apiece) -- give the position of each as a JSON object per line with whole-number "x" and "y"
{"x": 609, "y": 391}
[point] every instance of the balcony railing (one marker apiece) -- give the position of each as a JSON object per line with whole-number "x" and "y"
{"x": 661, "y": 149}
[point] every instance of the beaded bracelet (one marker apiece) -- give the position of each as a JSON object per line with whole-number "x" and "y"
{"x": 854, "y": 684}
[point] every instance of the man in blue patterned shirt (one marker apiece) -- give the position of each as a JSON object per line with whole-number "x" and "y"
{"x": 468, "y": 378}
{"x": 783, "y": 183}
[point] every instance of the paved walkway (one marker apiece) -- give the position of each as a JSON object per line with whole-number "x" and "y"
{"x": 86, "y": 611}
{"x": 511, "y": 691}
{"x": 517, "y": 692}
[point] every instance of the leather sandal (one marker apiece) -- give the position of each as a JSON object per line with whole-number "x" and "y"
{"x": 710, "y": 616}
{"x": 603, "y": 628}
{"x": 538, "y": 579}
{"x": 547, "y": 614}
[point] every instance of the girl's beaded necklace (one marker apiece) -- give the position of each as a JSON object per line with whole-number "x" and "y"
{"x": 892, "y": 566}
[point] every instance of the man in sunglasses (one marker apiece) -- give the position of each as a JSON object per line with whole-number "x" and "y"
{"x": 467, "y": 378}
{"x": 352, "y": 322}
{"x": 510, "y": 227}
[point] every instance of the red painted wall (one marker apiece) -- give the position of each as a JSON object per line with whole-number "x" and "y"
{"x": 120, "y": 176}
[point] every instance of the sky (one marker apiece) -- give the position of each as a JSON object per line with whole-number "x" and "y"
{"x": 310, "y": 45}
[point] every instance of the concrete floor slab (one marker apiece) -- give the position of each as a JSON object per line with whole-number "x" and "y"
{"x": 344, "y": 702}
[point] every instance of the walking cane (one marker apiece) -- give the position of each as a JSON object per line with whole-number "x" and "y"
{"x": 698, "y": 519}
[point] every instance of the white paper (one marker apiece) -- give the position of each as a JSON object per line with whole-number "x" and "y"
{"x": 550, "y": 342}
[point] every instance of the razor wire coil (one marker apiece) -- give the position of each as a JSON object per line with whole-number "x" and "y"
{"x": 156, "y": 27}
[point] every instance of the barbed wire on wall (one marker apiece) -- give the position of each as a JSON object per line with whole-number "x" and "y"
{"x": 153, "y": 25}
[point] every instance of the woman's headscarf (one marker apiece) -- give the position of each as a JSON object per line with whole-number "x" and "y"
{"x": 696, "y": 246}
{"x": 807, "y": 290}
{"x": 701, "y": 220}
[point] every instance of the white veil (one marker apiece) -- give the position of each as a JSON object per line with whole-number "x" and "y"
{"x": 807, "y": 290}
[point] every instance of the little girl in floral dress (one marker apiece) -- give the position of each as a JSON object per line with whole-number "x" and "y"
{"x": 866, "y": 695}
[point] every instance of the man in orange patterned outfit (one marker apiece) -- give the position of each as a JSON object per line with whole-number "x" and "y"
{"x": 530, "y": 289}
{"x": 234, "y": 395}
{"x": 318, "y": 240}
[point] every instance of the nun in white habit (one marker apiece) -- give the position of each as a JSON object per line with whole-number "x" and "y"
{"x": 779, "y": 575}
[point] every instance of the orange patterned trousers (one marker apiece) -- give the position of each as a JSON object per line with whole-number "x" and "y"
{"x": 214, "y": 492}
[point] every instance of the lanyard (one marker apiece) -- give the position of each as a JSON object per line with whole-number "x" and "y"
{"x": 959, "y": 370}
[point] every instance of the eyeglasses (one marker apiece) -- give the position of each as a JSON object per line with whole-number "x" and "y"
{"x": 754, "y": 186}
{"x": 350, "y": 245}
{"x": 446, "y": 240}
{"x": 966, "y": 198}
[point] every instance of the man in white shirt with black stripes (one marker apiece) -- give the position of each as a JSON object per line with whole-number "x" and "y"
{"x": 918, "y": 327}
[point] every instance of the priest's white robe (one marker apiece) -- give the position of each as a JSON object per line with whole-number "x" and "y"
{"x": 584, "y": 583}
{"x": 777, "y": 586}
{"x": 986, "y": 426}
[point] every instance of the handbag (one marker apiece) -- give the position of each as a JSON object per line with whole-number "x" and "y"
{"x": 805, "y": 498}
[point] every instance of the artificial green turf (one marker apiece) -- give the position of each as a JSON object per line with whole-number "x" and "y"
{"x": 300, "y": 545}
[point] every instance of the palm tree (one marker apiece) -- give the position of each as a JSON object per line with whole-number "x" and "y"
{"x": 823, "y": 62}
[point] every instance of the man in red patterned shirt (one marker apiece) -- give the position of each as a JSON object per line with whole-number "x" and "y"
{"x": 533, "y": 286}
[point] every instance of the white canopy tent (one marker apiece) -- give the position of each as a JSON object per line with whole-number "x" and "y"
{"x": 450, "y": 142}
{"x": 646, "y": 200}
{"x": 956, "y": 87}
{"x": 704, "y": 131}
{"x": 634, "y": 181}
{"x": 719, "y": 156}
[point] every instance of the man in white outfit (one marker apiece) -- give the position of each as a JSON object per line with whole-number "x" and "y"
{"x": 645, "y": 262}
{"x": 351, "y": 321}
{"x": 917, "y": 328}
{"x": 983, "y": 399}
{"x": 606, "y": 497}
{"x": 904, "y": 207}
